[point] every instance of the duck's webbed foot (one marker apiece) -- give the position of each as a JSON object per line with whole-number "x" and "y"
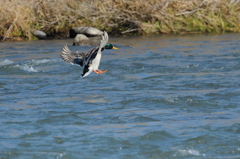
{"x": 99, "y": 71}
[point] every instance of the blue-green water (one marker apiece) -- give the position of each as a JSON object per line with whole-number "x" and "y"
{"x": 163, "y": 97}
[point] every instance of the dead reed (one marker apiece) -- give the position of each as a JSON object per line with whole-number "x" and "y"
{"x": 56, "y": 17}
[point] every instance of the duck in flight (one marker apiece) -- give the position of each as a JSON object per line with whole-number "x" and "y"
{"x": 89, "y": 60}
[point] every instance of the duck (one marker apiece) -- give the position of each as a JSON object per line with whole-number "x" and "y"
{"x": 89, "y": 60}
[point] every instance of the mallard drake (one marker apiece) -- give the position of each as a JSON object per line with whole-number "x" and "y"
{"x": 89, "y": 60}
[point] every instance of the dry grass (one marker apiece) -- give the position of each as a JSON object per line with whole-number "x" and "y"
{"x": 56, "y": 17}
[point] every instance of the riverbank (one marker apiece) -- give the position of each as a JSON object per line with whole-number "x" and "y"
{"x": 56, "y": 18}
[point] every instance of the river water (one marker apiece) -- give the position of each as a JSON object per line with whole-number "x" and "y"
{"x": 169, "y": 96}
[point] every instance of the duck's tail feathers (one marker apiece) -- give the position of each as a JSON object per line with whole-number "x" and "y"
{"x": 86, "y": 71}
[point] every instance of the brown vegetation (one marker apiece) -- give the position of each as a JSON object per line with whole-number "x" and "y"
{"x": 55, "y": 17}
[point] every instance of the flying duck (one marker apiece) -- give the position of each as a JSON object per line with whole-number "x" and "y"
{"x": 89, "y": 60}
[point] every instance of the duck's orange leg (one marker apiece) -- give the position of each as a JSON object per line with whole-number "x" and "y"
{"x": 99, "y": 71}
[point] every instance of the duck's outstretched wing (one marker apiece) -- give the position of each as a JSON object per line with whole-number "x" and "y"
{"x": 74, "y": 58}
{"x": 104, "y": 40}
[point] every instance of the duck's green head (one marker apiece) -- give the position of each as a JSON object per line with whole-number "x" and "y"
{"x": 110, "y": 46}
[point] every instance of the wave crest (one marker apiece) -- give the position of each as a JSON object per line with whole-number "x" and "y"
{"x": 189, "y": 152}
{"x": 5, "y": 62}
{"x": 27, "y": 68}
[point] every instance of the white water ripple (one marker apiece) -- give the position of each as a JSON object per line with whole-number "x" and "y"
{"x": 144, "y": 106}
{"x": 27, "y": 68}
{"x": 189, "y": 152}
{"x": 5, "y": 62}
{"x": 38, "y": 62}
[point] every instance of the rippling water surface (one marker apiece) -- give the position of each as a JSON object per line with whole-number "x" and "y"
{"x": 162, "y": 97}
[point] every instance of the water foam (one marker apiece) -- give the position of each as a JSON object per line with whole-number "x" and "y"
{"x": 5, "y": 62}
{"x": 37, "y": 62}
{"x": 189, "y": 152}
{"x": 190, "y": 66}
{"x": 27, "y": 68}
